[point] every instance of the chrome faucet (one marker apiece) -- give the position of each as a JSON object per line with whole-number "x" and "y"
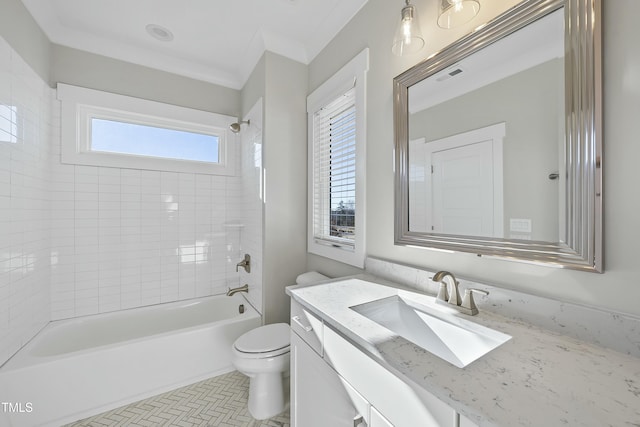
{"x": 243, "y": 288}
{"x": 245, "y": 263}
{"x": 453, "y": 297}
{"x": 467, "y": 305}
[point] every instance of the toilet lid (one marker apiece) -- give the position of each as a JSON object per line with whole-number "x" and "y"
{"x": 264, "y": 339}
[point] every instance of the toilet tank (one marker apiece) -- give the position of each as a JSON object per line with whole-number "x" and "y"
{"x": 310, "y": 277}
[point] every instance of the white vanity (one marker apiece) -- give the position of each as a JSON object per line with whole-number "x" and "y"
{"x": 347, "y": 369}
{"x": 336, "y": 384}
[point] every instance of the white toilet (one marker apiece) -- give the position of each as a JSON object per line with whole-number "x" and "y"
{"x": 262, "y": 354}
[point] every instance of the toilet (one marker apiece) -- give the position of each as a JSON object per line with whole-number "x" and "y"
{"x": 262, "y": 354}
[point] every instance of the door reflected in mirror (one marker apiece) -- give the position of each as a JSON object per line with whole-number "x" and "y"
{"x": 486, "y": 140}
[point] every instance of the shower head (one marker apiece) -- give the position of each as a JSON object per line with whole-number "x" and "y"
{"x": 235, "y": 127}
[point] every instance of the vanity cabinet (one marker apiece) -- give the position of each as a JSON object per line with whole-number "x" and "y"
{"x": 333, "y": 383}
{"x": 399, "y": 402}
{"x": 319, "y": 396}
{"x": 307, "y": 326}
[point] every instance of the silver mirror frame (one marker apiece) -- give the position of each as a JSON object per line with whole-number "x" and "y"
{"x": 583, "y": 139}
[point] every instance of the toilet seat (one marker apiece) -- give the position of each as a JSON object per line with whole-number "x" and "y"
{"x": 264, "y": 342}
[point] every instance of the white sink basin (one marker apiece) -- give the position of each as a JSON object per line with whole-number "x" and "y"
{"x": 449, "y": 337}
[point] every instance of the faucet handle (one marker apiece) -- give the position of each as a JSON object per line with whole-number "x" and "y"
{"x": 468, "y": 303}
{"x": 245, "y": 263}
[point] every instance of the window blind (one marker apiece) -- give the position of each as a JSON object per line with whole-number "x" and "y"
{"x": 334, "y": 172}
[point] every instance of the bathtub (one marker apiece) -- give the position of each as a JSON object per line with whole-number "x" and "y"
{"x": 81, "y": 367}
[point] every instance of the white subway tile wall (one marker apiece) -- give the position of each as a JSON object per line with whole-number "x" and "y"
{"x": 135, "y": 237}
{"x": 25, "y": 229}
{"x": 79, "y": 240}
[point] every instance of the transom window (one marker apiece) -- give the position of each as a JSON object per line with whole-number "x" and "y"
{"x": 110, "y": 136}
{"x": 105, "y": 129}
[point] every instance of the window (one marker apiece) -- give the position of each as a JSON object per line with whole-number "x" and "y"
{"x": 336, "y": 115}
{"x": 110, "y": 136}
{"x": 8, "y": 123}
{"x": 105, "y": 129}
{"x": 334, "y": 157}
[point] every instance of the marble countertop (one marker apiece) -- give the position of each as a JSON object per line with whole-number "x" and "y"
{"x": 538, "y": 378}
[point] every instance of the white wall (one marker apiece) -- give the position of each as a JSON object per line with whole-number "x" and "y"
{"x": 124, "y": 238}
{"x": 618, "y": 288}
{"x": 281, "y": 83}
{"x": 21, "y": 31}
{"x": 285, "y": 157}
{"x": 24, "y": 201}
{"x": 80, "y": 68}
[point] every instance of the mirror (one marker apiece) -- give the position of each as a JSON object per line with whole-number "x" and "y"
{"x": 498, "y": 140}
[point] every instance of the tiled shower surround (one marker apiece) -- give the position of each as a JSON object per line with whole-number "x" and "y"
{"x": 123, "y": 238}
{"x": 79, "y": 240}
{"x": 25, "y": 173}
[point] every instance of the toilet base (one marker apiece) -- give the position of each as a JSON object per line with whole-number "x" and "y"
{"x": 268, "y": 395}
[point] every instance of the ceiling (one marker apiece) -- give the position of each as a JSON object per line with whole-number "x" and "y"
{"x": 537, "y": 43}
{"x": 218, "y": 41}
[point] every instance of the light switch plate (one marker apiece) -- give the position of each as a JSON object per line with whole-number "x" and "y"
{"x": 520, "y": 225}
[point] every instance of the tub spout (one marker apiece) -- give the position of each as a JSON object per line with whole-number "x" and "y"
{"x": 243, "y": 288}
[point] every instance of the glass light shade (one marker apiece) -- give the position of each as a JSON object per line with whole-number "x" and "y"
{"x": 457, "y": 12}
{"x": 408, "y": 38}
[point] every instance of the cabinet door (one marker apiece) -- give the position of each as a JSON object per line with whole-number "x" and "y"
{"x": 318, "y": 395}
{"x": 377, "y": 420}
{"x": 307, "y": 326}
{"x": 402, "y": 404}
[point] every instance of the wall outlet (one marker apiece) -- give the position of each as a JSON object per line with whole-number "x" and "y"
{"x": 520, "y": 225}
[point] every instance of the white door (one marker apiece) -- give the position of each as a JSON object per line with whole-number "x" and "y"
{"x": 465, "y": 195}
{"x": 462, "y": 198}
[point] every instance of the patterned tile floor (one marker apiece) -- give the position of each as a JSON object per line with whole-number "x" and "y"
{"x": 219, "y": 401}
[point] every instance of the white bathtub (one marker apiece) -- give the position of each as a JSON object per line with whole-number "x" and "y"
{"x": 80, "y": 367}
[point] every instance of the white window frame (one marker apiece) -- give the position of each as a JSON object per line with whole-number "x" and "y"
{"x": 81, "y": 105}
{"x": 353, "y": 74}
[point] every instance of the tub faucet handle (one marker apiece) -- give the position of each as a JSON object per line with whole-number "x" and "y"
{"x": 245, "y": 263}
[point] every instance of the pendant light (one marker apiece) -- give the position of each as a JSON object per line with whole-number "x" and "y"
{"x": 453, "y": 13}
{"x": 408, "y": 38}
